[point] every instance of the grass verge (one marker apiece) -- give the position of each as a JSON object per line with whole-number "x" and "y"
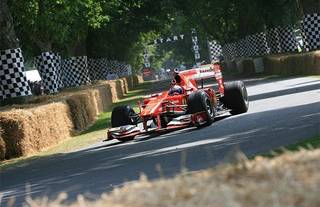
{"x": 309, "y": 143}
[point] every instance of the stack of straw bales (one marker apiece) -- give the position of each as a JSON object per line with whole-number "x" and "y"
{"x": 31, "y": 128}
{"x": 299, "y": 64}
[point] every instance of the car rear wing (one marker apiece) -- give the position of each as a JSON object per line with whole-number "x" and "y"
{"x": 207, "y": 72}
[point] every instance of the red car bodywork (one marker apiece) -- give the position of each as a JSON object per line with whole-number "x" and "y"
{"x": 158, "y": 105}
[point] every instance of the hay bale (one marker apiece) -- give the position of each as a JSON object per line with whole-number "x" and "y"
{"x": 125, "y": 85}
{"x": 83, "y": 110}
{"x": 105, "y": 96}
{"x": 2, "y": 146}
{"x": 116, "y": 90}
{"x": 122, "y": 86}
{"x": 30, "y": 130}
{"x": 130, "y": 82}
{"x": 135, "y": 80}
{"x": 248, "y": 66}
{"x": 294, "y": 64}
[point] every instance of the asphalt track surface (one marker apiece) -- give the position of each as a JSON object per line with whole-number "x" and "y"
{"x": 282, "y": 111}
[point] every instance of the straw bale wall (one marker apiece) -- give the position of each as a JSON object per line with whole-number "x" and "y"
{"x": 300, "y": 64}
{"x": 30, "y": 130}
{"x": 26, "y": 129}
{"x": 285, "y": 64}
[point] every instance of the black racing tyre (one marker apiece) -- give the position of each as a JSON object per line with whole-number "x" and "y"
{"x": 236, "y": 97}
{"x": 122, "y": 115}
{"x": 199, "y": 101}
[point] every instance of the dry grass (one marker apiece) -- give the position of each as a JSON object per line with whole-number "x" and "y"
{"x": 2, "y": 146}
{"x": 26, "y": 131}
{"x": 292, "y": 179}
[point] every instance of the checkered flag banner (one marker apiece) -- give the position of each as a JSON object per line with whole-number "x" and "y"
{"x": 229, "y": 51}
{"x": 98, "y": 69}
{"x": 273, "y": 40}
{"x": 257, "y": 45}
{"x": 101, "y": 69}
{"x": 311, "y": 31}
{"x": 287, "y": 38}
{"x": 75, "y": 71}
{"x": 49, "y": 67}
{"x": 12, "y": 75}
{"x": 215, "y": 50}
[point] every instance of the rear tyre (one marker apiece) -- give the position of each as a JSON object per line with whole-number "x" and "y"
{"x": 200, "y": 102}
{"x": 236, "y": 97}
{"x": 122, "y": 116}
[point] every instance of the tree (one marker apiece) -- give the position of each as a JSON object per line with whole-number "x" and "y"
{"x": 310, "y": 6}
{"x": 60, "y": 23}
{"x": 8, "y": 38}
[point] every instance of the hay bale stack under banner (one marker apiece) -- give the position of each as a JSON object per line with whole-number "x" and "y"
{"x": 83, "y": 109}
{"x": 104, "y": 96}
{"x": 30, "y": 130}
{"x": 116, "y": 90}
{"x": 297, "y": 64}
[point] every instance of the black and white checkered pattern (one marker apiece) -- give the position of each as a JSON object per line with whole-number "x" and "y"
{"x": 13, "y": 81}
{"x": 100, "y": 69}
{"x": 273, "y": 40}
{"x": 49, "y": 67}
{"x": 311, "y": 31}
{"x": 242, "y": 48}
{"x": 75, "y": 71}
{"x": 229, "y": 51}
{"x": 288, "y": 40}
{"x": 215, "y": 49}
{"x": 257, "y": 45}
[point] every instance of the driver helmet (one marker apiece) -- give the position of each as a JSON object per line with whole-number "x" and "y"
{"x": 175, "y": 88}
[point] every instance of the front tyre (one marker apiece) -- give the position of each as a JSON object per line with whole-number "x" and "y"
{"x": 199, "y": 101}
{"x": 236, "y": 97}
{"x": 122, "y": 116}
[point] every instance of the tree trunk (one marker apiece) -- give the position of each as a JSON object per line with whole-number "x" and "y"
{"x": 310, "y": 6}
{"x": 8, "y": 38}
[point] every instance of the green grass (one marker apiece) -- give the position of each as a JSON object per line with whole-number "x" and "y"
{"x": 310, "y": 143}
{"x": 95, "y": 133}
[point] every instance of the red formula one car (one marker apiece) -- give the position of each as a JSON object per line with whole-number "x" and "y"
{"x": 185, "y": 104}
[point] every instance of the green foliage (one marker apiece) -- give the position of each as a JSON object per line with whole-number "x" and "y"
{"x": 121, "y": 29}
{"x": 56, "y": 22}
